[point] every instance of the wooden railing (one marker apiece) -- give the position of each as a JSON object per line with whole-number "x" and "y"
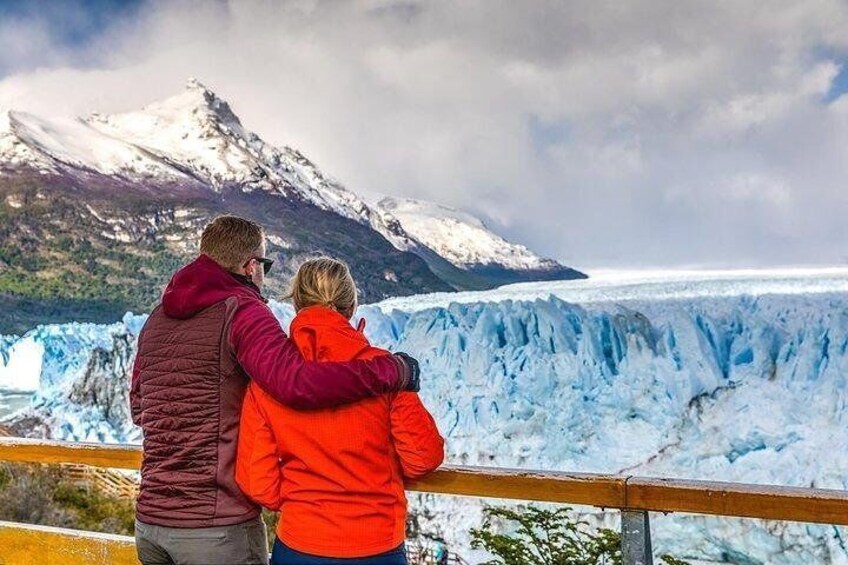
{"x": 634, "y": 496}
{"x": 108, "y": 481}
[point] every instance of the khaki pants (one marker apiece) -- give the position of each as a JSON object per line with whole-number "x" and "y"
{"x": 239, "y": 544}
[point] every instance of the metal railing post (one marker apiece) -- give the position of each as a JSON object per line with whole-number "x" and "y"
{"x": 636, "y": 538}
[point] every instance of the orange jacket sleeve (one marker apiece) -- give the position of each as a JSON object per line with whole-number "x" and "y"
{"x": 258, "y": 470}
{"x": 416, "y": 438}
{"x": 417, "y": 441}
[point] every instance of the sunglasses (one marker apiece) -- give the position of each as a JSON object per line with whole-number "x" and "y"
{"x": 266, "y": 263}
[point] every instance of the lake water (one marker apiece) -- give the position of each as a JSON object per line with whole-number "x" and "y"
{"x": 12, "y": 401}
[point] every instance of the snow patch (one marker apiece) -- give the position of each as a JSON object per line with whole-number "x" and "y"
{"x": 459, "y": 237}
{"x": 73, "y": 142}
{"x": 14, "y": 201}
{"x": 278, "y": 241}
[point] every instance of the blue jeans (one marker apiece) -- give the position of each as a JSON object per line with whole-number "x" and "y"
{"x": 283, "y": 555}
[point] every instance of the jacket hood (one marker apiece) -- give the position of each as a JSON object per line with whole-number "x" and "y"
{"x": 323, "y": 334}
{"x": 201, "y": 284}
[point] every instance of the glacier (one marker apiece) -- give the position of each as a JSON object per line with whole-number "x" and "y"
{"x": 724, "y": 376}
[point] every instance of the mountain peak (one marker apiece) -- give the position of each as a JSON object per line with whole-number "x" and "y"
{"x": 194, "y": 84}
{"x": 196, "y": 104}
{"x": 207, "y": 99}
{"x": 461, "y": 238}
{"x": 196, "y": 100}
{"x": 195, "y": 129}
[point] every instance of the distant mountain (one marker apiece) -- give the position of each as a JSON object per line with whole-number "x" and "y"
{"x": 465, "y": 242}
{"x": 98, "y": 211}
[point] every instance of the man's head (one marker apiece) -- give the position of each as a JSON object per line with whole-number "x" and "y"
{"x": 236, "y": 244}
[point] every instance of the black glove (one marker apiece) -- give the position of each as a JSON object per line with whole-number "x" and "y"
{"x": 413, "y": 382}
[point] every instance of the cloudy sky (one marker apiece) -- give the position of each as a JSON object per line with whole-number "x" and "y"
{"x": 604, "y": 134}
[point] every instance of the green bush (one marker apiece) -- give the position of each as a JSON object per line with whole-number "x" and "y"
{"x": 27, "y": 497}
{"x": 539, "y": 536}
{"x": 95, "y": 511}
{"x": 33, "y": 494}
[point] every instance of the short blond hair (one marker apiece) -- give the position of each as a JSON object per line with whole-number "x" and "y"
{"x": 324, "y": 281}
{"x": 231, "y": 241}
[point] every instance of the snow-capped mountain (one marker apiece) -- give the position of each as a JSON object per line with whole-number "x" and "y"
{"x": 458, "y": 247}
{"x": 198, "y": 134}
{"x": 731, "y": 378}
{"x": 463, "y": 239}
{"x": 195, "y": 136}
{"x": 116, "y": 202}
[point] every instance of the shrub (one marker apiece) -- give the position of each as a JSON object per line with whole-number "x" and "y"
{"x": 27, "y": 497}
{"x": 547, "y": 537}
{"x": 32, "y": 494}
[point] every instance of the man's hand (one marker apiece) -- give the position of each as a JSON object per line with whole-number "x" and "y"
{"x": 412, "y": 372}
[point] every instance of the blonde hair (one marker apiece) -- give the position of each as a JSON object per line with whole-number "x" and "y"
{"x": 231, "y": 241}
{"x": 324, "y": 281}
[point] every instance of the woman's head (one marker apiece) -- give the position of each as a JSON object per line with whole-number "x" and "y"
{"x": 326, "y": 282}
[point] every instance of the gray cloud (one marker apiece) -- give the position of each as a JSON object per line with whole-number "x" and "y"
{"x": 601, "y": 133}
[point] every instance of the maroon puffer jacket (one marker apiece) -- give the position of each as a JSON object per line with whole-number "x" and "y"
{"x": 212, "y": 331}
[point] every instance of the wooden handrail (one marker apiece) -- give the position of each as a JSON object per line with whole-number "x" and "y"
{"x": 45, "y": 545}
{"x": 93, "y": 454}
{"x": 796, "y": 504}
{"x": 520, "y": 484}
{"x": 606, "y": 491}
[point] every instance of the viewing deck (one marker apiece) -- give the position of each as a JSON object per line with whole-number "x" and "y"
{"x": 635, "y": 497}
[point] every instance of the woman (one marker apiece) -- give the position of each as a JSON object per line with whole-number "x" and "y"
{"x": 336, "y": 475}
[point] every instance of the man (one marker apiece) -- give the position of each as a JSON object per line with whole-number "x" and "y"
{"x": 211, "y": 333}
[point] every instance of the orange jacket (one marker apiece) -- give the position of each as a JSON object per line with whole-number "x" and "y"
{"x": 336, "y": 475}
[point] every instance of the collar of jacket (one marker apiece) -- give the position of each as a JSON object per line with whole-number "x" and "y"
{"x": 248, "y": 282}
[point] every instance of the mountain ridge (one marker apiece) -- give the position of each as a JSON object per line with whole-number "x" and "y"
{"x": 191, "y": 152}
